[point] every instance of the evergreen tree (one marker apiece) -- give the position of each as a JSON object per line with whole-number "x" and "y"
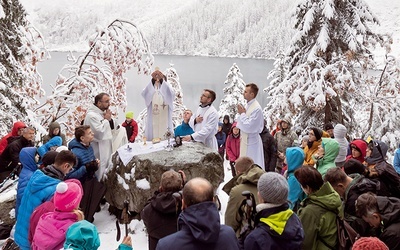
{"x": 277, "y": 74}
{"x": 233, "y": 93}
{"x": 324, "y": 60}
{"x": 21, "y": 47}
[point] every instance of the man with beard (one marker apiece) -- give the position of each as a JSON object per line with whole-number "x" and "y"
{"x": 99, "y": 119}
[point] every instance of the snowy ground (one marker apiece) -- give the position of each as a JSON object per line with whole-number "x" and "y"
{"x": 105, "y": 222}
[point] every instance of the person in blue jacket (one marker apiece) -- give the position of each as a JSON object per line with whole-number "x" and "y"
{"x": 51, "y": 145}
{"x": 184, "y": 128}
{"x": 396, "y": 160}
{"x": 40, "y": 188}
{"x": 87, "y": 163}
{"x": 29, "y": 166}
{"x": 199, "y": 224}
{"x": 294, "y": 160}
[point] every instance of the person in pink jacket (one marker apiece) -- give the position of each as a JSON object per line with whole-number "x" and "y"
{"x": 51, "y": 228}
{"x": 232, "y": 146}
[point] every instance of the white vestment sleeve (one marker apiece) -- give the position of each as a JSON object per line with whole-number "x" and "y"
{"x": 253, "y": 123}
{"x": 209, "y": 128}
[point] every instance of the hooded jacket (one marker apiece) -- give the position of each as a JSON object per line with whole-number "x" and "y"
{"x": 56, "y": 141}
{"x": 226, "y": 127}
{"x": 358, "y": 186}
{"x": 160, "y": 217}
{"x": 389, "y": 208}
{"x": 14, "y": 132}
{"x": 50, "y": 135}
{"x": 51, "y": 228}
{"x": 294, "y": 159}
{"x": 29, "y": 166}
{"x": 382, "y": 171}
{"x": 331, "y": 148}
{"x": 318, "y": 217}
{"x": 233, "y": 145}
{"x": 396, "y": 160}
{"x": 310, "y": 150}
{"x": 275, "y": 228}
{"x": 362, "y": 147}
{"x": 9, "y": 159}
{"x": 200, "y": 228}
{"x": 339, "y": 133}
{"x": 245, "y": 182}
{"x": 285, "y": 137}
{"x": 40, "y": 188}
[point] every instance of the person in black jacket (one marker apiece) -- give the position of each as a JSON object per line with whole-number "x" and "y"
{"x": 381, "y": 213}
{"x": 161, "y": 212}
{"x": 199, "y": 223}
{"x": 9, "y": 159}
{"x": 269, "y": 146}
{"x": 226, "y": 125}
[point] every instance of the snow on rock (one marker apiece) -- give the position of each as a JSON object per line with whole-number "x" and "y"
{"x": 143, "y": 184}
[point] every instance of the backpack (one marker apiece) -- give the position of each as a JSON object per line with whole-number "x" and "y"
{"x": 346, "y": 235}
{"x": 247, "y": 211}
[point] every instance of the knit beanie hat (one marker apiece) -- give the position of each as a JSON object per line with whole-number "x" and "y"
{"x": 369, "y": 243}
{"x": 68, "y": 195}
{"x": 317, "y": 133}
{"x": 82, "y": 235}
{"x": 129, "y": 115}
{"x": 273, "y": 188}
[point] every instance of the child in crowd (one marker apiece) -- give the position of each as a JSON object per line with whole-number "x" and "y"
{"x": 221, "y": 138}
{"x": 131, "y": 127}
{"x": 51, "y": 228}
{"x": 83, "y": 235}
{"x": 233, "y": 147}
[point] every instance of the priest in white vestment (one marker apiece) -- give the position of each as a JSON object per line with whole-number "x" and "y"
{"x": 159, "y": 98}
{"x": 251, "y": 123}
{"x": 205, "y": 121}
{"x": 98, "y": 117}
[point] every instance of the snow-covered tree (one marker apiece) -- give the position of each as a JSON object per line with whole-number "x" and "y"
{"x": 382, "y": 108}
{"x": 277, "y": 76}
{"x": 325, "y": 60}
{"x": 179, "y": 108}
{"x": 113, "y": 50}
{"x": 21, "y": 47}
{"x": 233, "y": 93}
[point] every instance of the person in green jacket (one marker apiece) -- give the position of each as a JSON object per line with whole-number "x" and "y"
{"x": 318, "y": 211}
{"x": 326, "y": 155}
{"x": 248, "y": 175}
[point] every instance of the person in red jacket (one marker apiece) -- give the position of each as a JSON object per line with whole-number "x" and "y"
{"x": 16, "y": 131}
{"x": 130, "y": 126}
{"x": 232, "y": 146}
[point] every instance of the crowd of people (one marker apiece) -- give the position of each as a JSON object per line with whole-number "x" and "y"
{"x": 287, "y": 189}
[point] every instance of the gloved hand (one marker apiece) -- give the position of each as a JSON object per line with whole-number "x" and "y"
{"x": 92, "y": 166}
